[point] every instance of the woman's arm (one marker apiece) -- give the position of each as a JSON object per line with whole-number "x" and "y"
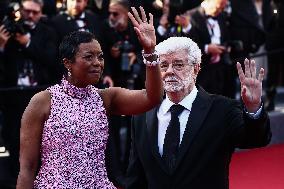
{"x": 32, "y": 122}
{"x": 124, "y": 101}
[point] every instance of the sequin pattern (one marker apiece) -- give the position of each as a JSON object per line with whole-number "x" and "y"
{"x": 73, "y": 140}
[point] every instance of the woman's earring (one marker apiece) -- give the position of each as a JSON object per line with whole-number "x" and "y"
{"x": 69, "y": 73}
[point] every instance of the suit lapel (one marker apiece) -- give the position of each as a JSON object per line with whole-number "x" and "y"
{"x": 152, "y": 129}
{"x": 199, "y": 110}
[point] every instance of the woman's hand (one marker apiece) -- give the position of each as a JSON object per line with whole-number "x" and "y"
{"x": 144, "y": 29}
{"x": 251, "y": 87}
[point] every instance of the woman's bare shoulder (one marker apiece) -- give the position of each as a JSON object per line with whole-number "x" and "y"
{"x": 41, "y": 97}
{"x": 40, "y": 102}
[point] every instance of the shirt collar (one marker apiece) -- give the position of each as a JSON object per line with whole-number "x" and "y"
{"x": 186, "y": 101}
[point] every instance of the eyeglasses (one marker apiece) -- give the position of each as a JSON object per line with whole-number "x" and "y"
{"x": 29, "y": 11}
{"x": 177, "y": 65}
{"x": 115, "y": 14}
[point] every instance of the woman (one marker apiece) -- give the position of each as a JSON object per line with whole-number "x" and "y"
{"x": 65, "y": 127}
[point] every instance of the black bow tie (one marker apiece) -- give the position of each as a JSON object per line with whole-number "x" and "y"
{"x": 213, "y": 17}
{"x": 79, "y": 17}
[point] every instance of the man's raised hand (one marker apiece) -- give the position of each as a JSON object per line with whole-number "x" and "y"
{"x": 251, "y": 86}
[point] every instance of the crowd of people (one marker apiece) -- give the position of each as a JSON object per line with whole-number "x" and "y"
{"x": 33, "y": 56}
{"x": 226, "y": 31}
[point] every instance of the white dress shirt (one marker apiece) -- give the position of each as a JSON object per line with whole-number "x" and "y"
{"x": 214, "y": 30}
{"x": 164, "y": 116}
{"x": 215, "y": 35}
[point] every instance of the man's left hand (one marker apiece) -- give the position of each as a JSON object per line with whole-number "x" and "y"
{"x": 251, "y": 87}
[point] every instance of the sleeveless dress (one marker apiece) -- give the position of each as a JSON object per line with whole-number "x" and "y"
{"x": 74, "y": 140}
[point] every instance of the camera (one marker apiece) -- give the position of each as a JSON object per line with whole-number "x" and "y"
{"x": 12, "y": 20}
{"x": 125, "y": 47}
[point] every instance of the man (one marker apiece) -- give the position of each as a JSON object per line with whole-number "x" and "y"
{"x": 121, "y": 47}
{"x": 28, "y": 54}
{"x": 76, "y": 18}
{"x": 28, "y": 48}
{"x": 275, "y": 41}
{"x": 174, "y": 21}
{"x": 209, "y": 31}
{"x": 250, "y": 21}
{"x": 188, "y": 140}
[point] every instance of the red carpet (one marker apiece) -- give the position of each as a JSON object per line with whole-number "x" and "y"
{"x": 261, "y": 168}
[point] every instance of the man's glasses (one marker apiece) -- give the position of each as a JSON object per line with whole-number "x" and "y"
{"x": 177, "y": 65}
{"x": 115, "y": 14}
{"x": 29, "y": 11}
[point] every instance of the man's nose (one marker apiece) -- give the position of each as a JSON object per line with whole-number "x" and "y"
{"x": 170, "y": 69}
{"x": 30, "y": 14}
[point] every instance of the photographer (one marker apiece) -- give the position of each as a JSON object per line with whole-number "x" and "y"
{"x": 122, "y": 50}
{"x": 29, "y": 54}
{"x": 27, "y": 51}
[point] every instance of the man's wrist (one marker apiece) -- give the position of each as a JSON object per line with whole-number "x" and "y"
{"x": 254, "y": 107}
{"x": 256, "y": 114}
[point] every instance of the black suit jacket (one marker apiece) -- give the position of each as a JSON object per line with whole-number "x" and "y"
{"x": 65, "y": 24}
{"x": 41, "y": 52}
{"x": 244, "y": 24}
{"x": 216, "y": 126}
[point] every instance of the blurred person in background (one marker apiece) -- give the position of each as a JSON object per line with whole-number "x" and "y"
{"x": 275, "y": 48}
{"x": 122, "y": 49}
{"x": 249, "y": 22}
{"x": 174, "y": 21}
{"x": 28, "y": 47}
{"x": 28, "y": 53}
{"x": 99, "y": 7}
{"x": 208, "y": 28}
{"x": 75, "y": 18}
{"x": 78, "y": 18}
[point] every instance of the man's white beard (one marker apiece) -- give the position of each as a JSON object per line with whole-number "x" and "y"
{"x": 178, "y": 85}
{"x": 30, "y": 24}
{"x": 115, "y": 23}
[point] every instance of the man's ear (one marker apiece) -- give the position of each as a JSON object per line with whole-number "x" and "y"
{"x": 196, "y": 68}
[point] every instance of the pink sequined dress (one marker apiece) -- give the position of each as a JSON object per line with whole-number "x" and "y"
{"x": 74, "y": 140}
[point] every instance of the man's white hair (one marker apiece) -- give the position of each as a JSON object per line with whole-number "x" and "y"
{"x": 174, "y": 44}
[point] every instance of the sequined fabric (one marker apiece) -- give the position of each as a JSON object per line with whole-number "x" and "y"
{"x": 74, "y": 139}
